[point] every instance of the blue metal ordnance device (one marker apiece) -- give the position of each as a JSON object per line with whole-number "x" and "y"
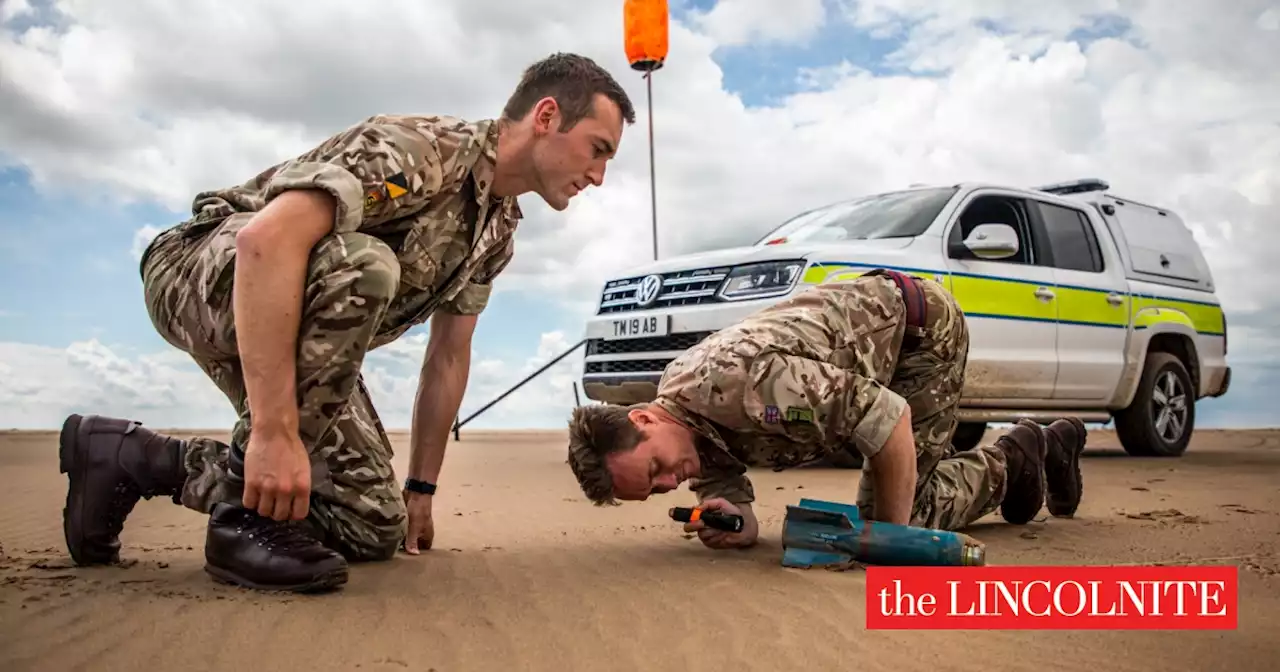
{"x": 817, "y": 533}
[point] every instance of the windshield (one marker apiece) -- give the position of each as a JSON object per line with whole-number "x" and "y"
{"x": 896, "y": 214}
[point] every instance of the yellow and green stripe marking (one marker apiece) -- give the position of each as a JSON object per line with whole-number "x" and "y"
{"x": 1008, "y": 298}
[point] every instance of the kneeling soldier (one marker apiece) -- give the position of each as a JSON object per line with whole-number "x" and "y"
{"x": 874, "y": 365}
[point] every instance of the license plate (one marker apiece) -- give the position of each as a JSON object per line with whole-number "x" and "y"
{"x": 641, "y": 327}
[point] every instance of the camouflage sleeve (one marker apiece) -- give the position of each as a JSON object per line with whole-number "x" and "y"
{"x": 474, "y": 296}
{"x": 729, "y": 484}
{"x": 797, "y": 397}
{"x": 375, "y": 170}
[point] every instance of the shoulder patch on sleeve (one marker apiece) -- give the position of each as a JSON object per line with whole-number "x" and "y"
{"x": 397, "y": 185}
{"x": 771, "y": 414}
{"x": 374, "y": 196}
{"x": 798, "y": 414}
{"x": 391, "y": 188}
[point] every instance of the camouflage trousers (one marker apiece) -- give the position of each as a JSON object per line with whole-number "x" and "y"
{"x": 953, "y": 489}
{"x": 356, "y": 505}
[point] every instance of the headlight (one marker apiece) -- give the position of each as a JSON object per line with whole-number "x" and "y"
{"x": 755, "y": 281}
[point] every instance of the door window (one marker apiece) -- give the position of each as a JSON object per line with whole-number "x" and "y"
{"x": 1072, "y": 243}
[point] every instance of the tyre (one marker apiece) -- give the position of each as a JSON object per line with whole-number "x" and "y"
{"x": 967, "y": 435}
{"x": 1161, "y": 417}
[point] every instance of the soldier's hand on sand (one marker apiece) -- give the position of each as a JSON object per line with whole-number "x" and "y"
{"x": 277, "y": 476}
{"x": 719, "y": 539}
{"x": 421, "y": 528}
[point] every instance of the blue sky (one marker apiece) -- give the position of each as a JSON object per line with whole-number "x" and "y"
{"x": 69, "y": 274}
{"x": 78, "y": 247}
{"x": 762, "y": 73}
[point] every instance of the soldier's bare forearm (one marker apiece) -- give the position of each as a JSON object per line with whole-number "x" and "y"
{"x": 446, "y": 368}
{"x": 272, "y": 253}
{"x": 894, "y": 469}
{"x": 435, "y": 407}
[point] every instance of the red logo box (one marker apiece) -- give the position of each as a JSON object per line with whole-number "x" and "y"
{"x": 1052, "y": 598}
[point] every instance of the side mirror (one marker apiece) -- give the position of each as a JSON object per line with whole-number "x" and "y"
{"x": 992, "y": 241}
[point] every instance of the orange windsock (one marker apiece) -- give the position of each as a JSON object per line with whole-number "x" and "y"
{"x": 645, "y": 33}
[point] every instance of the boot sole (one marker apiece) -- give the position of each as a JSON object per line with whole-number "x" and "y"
{"x": 72, "y": 461}
{"x": 1070, "y": 473}
{"x": 325, "y": 582}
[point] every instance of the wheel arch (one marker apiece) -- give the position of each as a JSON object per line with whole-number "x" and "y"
{"x": 1174, "y": 333}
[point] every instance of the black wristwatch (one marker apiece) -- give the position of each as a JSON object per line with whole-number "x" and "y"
{"x": 420, "y": 487}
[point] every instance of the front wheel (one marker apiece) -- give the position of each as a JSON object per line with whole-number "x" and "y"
{"x": 1159, "y": 421}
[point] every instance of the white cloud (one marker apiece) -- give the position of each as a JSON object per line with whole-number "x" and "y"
{"x": 40, "y": 385}
{"x": 12, "y": 9}
{"x": 141, "y": 239}
{"x": 737, "y": 22}
{"x": 1179, "y": 110}
{"x": 543, "y": 401}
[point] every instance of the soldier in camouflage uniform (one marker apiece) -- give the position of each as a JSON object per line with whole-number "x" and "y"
{"x": 838, "y": 367}
{"x": 277, "y": 288}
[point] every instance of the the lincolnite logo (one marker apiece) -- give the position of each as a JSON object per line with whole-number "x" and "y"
{"x": 647, "y": 293}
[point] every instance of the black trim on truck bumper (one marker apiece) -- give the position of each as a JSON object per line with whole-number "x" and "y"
{"x": 625, "y": 367}
{"x": 1224, "y": 385}
{"x": 675, "y": 342}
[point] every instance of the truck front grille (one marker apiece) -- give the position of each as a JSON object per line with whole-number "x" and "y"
{"x": 679, "y": 288}
{"x": 684, "y": 341}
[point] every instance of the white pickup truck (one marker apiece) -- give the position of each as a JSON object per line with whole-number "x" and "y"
{"x": 1078, "y": 301}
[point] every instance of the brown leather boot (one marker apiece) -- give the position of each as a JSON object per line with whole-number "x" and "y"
{"x": 1024, "y": 449}
{"x": 247, "y": 549}
{"x": 250, "y": 550}
{"x": 1065, "y": 439}
{"x": 110, "y": 464}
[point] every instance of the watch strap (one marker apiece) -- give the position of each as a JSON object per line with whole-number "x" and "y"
{"x": 420, "y": 487}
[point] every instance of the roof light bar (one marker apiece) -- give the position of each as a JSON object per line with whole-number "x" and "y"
{"x": 1081, "y": 186}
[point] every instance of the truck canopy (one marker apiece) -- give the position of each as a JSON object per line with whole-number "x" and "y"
{"x": 1155, "y": 244}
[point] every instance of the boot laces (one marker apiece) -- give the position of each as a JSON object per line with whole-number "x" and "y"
{"x": 275, "y": 535}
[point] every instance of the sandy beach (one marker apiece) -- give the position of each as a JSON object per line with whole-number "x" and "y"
{"x": 526, "y": 574}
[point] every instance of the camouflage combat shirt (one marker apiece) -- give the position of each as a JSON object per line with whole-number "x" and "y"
{"x": 421, "y": 184}
{"x": 790, "y": 384}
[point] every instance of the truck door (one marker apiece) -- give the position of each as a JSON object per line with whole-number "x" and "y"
{"x": 1010, "y": 304}
{"x": 1093, "y": 301}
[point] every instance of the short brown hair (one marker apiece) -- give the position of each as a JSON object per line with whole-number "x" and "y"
{"x": 573, "y": 81}
{"x": 595, "y": 432}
